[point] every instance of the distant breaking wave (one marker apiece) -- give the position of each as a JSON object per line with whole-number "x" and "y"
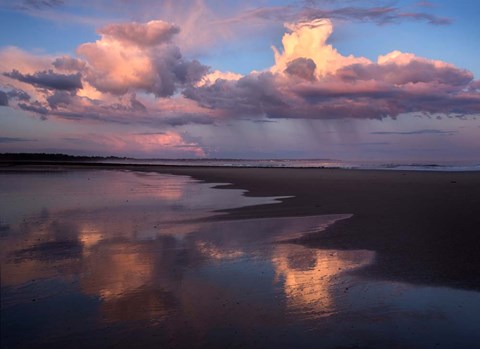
{"x": 306, "y": 163}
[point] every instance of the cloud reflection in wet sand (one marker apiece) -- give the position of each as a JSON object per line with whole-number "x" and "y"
{"x": 120, "y": 248}
{"x": 309, "y": 276}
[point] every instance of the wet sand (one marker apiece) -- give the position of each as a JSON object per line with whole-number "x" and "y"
{"x": 423, "y": 226}
{"x": 94, "y": 257}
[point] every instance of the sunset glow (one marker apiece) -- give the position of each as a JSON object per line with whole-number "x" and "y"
{"x": 174, "y": 79}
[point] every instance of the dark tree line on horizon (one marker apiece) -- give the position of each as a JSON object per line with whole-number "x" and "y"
{"x": 52, "y": 157}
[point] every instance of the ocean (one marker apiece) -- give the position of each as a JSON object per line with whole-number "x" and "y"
{"x": 313, "y": 163}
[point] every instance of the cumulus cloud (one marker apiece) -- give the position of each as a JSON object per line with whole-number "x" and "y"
{"x": 308, "y": 41}
{"x": 69, "y": 64}
{"x": 48, "y": 79}
{"x": 213, "y": 76}
{"x": 138, "y": 57}
{"x": 135, "y": 73}
{"x": 311, "y": 79}
{"x": 128, "y": 110}
{"x": 103, "y": 83}
{"x": 59, "y": 98}
{"x": 301, "y": 67}
{"x": 475, "y": 85}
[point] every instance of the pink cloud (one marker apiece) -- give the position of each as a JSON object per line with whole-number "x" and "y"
{"x": 129, "y": 58}
{"x": 135, "y": 73}
{"x": 14, "y": 58}
{"x": 147, "y": 34}
{"x": 311, "y": 79}
{"x": 133, "y": 57}
{"x": 169, "y": 144}
{"x": 308, "y": 40}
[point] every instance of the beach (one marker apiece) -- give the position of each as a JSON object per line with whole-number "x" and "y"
{"x": 120, "y": 255}
{"x": 424, "y": 226}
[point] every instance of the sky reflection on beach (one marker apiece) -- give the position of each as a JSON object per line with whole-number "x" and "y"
{"x": 109, "y": 258}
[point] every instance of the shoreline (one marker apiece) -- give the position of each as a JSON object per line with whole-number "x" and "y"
{"x": 423, "y": 225}
{"x": 401, "y": 167}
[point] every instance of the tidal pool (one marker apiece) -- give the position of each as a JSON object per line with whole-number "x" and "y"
{"x": 96, "y": 259}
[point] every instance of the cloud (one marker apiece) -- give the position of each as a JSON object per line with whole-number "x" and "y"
{"x": 152, "y": 33}
{"x": 15, "y": 140}
{"x": 416, "y": 132}
{"x": 103, "y": 83}
{"x": 35, "y": 107}
{"x": 3, "y": 99}
{"x": 213, "y": 76}
{"x": 475, "y": 85}
{"x": 59, "y": 98}
{"x": 39, "y": 4}
{"x": 149, "y": 133}
{"x": 308, "y": 41}
{"x": 136, "y": 104}
{"x": 301, "y": 67}
{"x": 48, "y": 79}
{"x": 18, "y": 95}
{"x": 69, "y": 64}
{"x": 380, "y": 15}
{"x": 133, "y": 57}
{"x": 12, "y": 58}
{"x": 363, "y": 144}
{"x": 127, "y": 110}
{"x": 311, "y": 79}
{"x": 260, "y": 121}
{"x": 169, "y": 143}
{"x": 135, "y": 73}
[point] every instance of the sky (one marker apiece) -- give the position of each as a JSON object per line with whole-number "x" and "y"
{"x": 379, "y": 80}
